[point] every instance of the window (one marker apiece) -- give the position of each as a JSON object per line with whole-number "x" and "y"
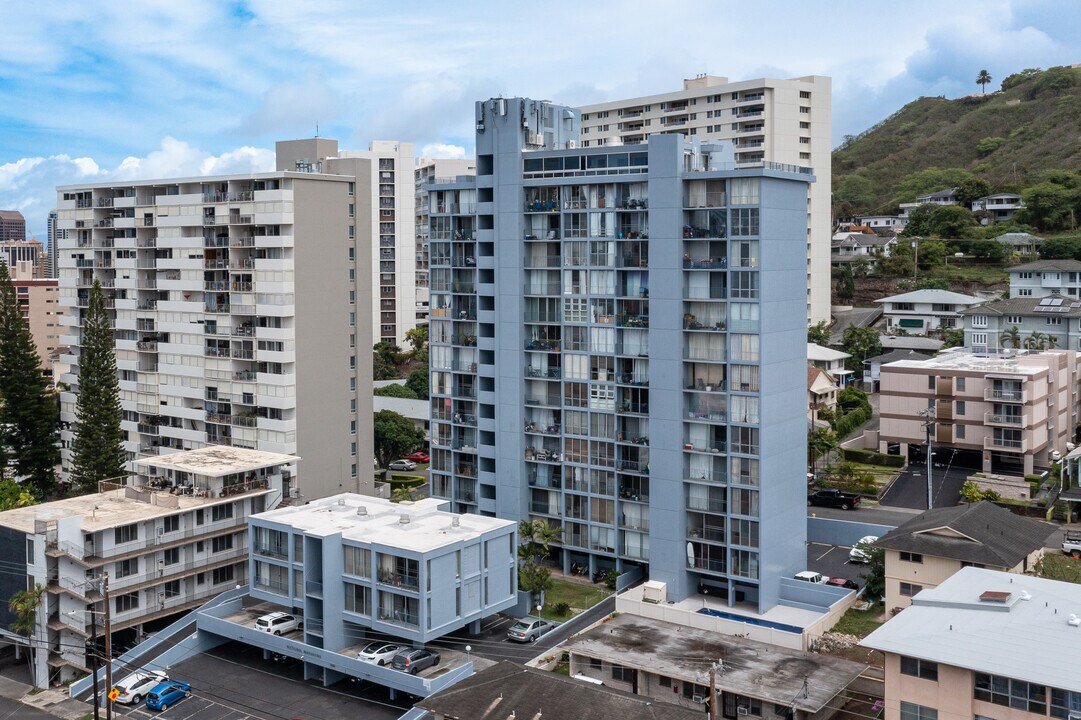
{"x": 930, "y": 382}
{"x": 125, "y": 534}
{"x": 221, "y": 512}
{"x": 170, "y": 524}
{"x": 959, "y": 384}
{"x": 959, "y": 432}
{"x": 199, "y": 517}
{"x": 1016, "y": 694}
{"x": 959, "y": 408}
{"x": 1014, "y": 319}
{"x": 221, "y": 543}
{"x": 128, "y": 601}
{"x": 358, "y": 599}
{"x": 623, "y": 674}
{"x": 916, "y": 667}
{"x": 128, "y": 567}
{"x": 912, "y": 711}
{"x": 1065, "y": 703}
{"x": 910, "y": 589}
{"x": 804, "y": 125}
{"x": 358, "y": 561}
{"x": 979, "y": 338}
{"x": 744, "y": 221}
{"x": 979, "y": 321}
{"x": 1024, "y": 292}
{"x": 171, "y": 556}
{"x": 200, "y": 579}
{"x": 911, "y": 557}
{"x": 222, "y": 575}
{"x": 172, "y": 589}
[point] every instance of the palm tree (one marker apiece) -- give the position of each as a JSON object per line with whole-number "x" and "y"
{"x": 1052, "y": 341}
{"x": 1036, "y": 341}
{"x": 24, "y": 606}
{"x": 821, "y": 442}
{"x": 1011, "y": 338}
{"x": 982, "y": 80}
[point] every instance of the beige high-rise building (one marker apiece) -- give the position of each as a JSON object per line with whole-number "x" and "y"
{"x": 382, "y": 217}
{"x": 39, "y": 303}
{"x": 767, "y": 120}
{"x": 239, "y": 319}
{"x": 427, "y": 172}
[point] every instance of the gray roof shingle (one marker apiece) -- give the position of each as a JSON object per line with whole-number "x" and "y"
{"x": 993, "y": 536}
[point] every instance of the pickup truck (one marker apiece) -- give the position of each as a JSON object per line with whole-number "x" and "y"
{"x": 833, "y": 498}
{"x": 1072, "y": 545}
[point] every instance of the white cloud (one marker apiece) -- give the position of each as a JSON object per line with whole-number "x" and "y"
{"x": 442, "y": 150}
{"x": 29, "y": 184}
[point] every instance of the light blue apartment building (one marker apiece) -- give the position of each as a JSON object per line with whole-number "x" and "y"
{"x": 618, "y": 347}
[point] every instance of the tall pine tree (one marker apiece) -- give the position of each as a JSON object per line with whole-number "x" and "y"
{"x": 97, "y": 452}
{"x": 28, "y": 416}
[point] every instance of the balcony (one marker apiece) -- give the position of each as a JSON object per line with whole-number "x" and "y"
{"x": 1022, "y": 445}
{"x": 1004, "y": 420}
{"x": 1004, "y": 395}
{"x": 273, "y": 550}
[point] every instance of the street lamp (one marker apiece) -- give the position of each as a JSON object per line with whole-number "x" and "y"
{"x": 539, "y": 607}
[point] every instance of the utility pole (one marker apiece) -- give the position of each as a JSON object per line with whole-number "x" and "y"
{"x": 714, "y": 668}
{"x": 929, "y": 423}
{"x": 915, "y": 257}
{"x": 94, "y": 661}
{"x": 108, "y": 646}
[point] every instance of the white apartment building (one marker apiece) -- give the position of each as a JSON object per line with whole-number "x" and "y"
{"x": 767, "y": 119}
{"x": 427, "y": 172}
{"x": 381, "y": 218}
{"x": 169, "y": 539}
{"x": 238, "y": 317}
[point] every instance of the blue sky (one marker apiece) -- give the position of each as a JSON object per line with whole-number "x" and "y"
{"x": 97, "y": 91}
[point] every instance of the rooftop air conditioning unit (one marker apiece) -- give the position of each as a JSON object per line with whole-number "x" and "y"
{"x": 572, "y": 144}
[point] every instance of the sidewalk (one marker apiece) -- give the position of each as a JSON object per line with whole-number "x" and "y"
{"x": 54, "y": 701}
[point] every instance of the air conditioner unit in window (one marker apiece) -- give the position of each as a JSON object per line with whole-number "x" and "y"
{"x": 697, "y": 698}
{"x": 743, "y": 711}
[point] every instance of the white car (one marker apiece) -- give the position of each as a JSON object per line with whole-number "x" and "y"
{"x": 812, "y": 577}
{"x": 402, "y": 464}
{"x": 134, "y": 687}
{"x": 380, "y": 652}
{"x": 277, "y": 623}
{"x": 857, "y": 554}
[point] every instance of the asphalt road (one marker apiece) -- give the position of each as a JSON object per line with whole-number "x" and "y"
{"x": 910, "y": 489}
{"x": 832, "y": 561}
{"x": 869, "y": 514}
{"x": 15, "y": 710}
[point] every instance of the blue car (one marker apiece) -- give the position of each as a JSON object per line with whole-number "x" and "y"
{"x": 167, "y": 693}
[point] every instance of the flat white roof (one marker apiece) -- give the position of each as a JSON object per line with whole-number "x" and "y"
{"x": 216, "y": 461}
{"x": 824, "y": 354}
{"x": 1026, "y": 639}
{"x": 964, "y": 360}
{"x": 380, "y": 522}
{"x": 202, "y": 179}
{"x": 407, "y": 407}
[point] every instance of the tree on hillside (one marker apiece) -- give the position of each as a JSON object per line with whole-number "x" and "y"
{"x": 418, "y": 382}
{"x": 846, "y": 285}
{"x": 971, "y": 190}
{"x": 929, "y": 180}
{"x": 395, "y": 436}
{"x": 1050, "y": 207}
{"x": 932, "y": 253}
{"x": 919, "y": 221}
{"x": 385, "y": 361}
{"x": 982, "y": 80}
{"x": 950, "y": 221}
{"x": 28, "y": 414}
{"x": 819, "y": 334}
{"x": 853, "y": 193}
{"x": 97, "y": 452}
{"x": 395, "y": 390}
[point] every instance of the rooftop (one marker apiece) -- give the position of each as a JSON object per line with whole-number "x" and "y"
{"x": 216, "y": 461}
{"x": 202, "y": 179}
{"x": 106, "y": 510}
{"x": 932, "y": 295}
{"x": 895, "y": 355}
{"x": 1018, "y": 362}
{"x": 507, "y": 690}
{"x": 1027, "y": 637}
{"x": 407, "y": 407}
{"x": 420, "y": 526}
{"x": 1067, "y": 265}
{"x": 824, "y": 354}
{"x": 768, "y": 672}
{"x": 981, "y": 533}
{"x": 910, "y": 342}
{"x": 1054, "y": 304}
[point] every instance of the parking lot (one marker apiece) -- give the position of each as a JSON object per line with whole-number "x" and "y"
{"x": 832, "y": 561}
{"x": 233, "y": 682}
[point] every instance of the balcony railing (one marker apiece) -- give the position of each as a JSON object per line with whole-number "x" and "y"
{"x": 1003, "y": 419}
{"x": 1004, "y": 395}
{"x": 271, "y": 550}
{"x": 1007, "y": 444}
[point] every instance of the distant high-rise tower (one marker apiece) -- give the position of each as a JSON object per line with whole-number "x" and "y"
{"x": 52, "y": 266}
{"x": 12, "y": 226}
{"x": 618, "y": 349}
{"x": 766, "y": 119}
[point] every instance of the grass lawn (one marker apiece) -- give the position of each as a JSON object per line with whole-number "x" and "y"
{"x": 983, "y": 274}
{"x": 1057, "y": 566}
{"x": 859, "y": 622}
{"x": 883, "y": 474}
{"x": 579, "y": 596}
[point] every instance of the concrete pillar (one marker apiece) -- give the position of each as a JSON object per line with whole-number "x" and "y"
{"x": 1028, "y": 463}
{"x": 474, "y": 628}
{"x": 392, "y": 693}
{"x": 986, "y": 462}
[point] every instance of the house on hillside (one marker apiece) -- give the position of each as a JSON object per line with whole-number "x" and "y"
{"x": 1021, "y": 243}
{"x": 1041, "y": 278}
{"x": 830, "y": 360}
{"x": 880, "y": 223}
{"x": 947, "y": 196}
{"x": 1000, "y": 207}
{"x": 921, "y": 311}
{"x": 847, "y": 246}
{"x": 822, "y": 391}
{"x": 1053, "y": 320}
{"x": 925, "y": 551}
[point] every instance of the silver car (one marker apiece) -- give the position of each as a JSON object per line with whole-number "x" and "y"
{"x": 529, "y": 629}
{"x": 858, "y": 553}
{"x": 402, "y": 464}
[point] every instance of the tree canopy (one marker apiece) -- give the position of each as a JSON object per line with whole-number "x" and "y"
{"x": 395, "y": 436}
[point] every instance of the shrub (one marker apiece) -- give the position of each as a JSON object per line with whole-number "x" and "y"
{"x": 611, "y": 578}
{"x": 988, "y": 145}
{"x": 406, "y": 481}
{"x": 844, "y": 426}
{"x": 870, "y": 457}
{"x": 562, "y": 609}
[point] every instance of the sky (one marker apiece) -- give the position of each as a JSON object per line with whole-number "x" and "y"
{"x": 102, "y": 91}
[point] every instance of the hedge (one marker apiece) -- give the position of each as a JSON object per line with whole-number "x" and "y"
{"x": 406, "y": 481}
{"x": 845, "y": 425}
{"x": 870, "y": 457}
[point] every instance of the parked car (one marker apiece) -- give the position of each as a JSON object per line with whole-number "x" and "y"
{"x": 419, "y": 457}
{"x": 402, "y": 464}
{"x": 858, "y": 553}
{"x": 843, "y": 582}
{"x": 414, "y": 660}
{"x": 1071, "y": 544}
{"x": 833, "y": 498}
{"x": 812, "y": 577}
{"x": 278, "y": 623}
{"x": 529, "y": 629}
{"x": 380, "y": 652}
{"x": 134, "y": 687}
{"x": 167, "y": 693}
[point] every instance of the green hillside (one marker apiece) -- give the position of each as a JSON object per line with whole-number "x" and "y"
{"x": 1008, "y": 138}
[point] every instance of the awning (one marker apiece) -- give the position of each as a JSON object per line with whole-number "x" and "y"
{"x": 910, "y": 322}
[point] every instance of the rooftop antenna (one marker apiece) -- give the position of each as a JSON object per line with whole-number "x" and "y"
{"x": 317, "y": 128}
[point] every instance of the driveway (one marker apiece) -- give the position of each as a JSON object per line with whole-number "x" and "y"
{"x": 910, "y": 488}
{"x": 832, "y": 561}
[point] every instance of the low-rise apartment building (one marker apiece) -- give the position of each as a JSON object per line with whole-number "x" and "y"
{"x": 1041, "y": 278}
{"x": 168, "y": 538}
{"x": 984, "y": 644}
{"x": 671, "y": 664}
{"x": 1000, "y": 207}
{"x": 353, "y": 563}
{"x": 921, "y": 311}
{"x": 926, "y": 550}
{"x": 1008, "y": 411}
